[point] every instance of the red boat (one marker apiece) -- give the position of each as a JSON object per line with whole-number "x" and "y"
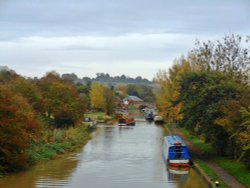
{"x": 126, "y": 122}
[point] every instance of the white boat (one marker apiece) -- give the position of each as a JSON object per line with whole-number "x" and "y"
{"x": 158, "y": 119}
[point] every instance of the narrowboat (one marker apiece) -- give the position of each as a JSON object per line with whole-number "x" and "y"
{"x": 149, "y": 116}
{"x": 158, "y": 120}
{"x": 126, "y": 122}
{"x": 175, "y": 151}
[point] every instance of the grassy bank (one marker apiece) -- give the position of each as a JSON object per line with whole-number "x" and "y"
{"x": 205, "y": 148}
{"x": 101, "y": 117}
{"x": 236, "y": 169}
{"x": 58, "y": 142}
{"x": 210, "y": 173}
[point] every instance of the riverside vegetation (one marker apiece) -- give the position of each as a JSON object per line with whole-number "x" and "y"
{"x": 207, "y": 93}
{"x": 40, "y": 118}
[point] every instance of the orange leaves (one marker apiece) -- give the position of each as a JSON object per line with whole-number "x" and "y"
{"x": 22, "y": 101}
{"x": 16, "y": 120}
{"x": 61, "y": 101}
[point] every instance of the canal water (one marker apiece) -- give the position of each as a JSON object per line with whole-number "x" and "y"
{"x": 116, "y": 157}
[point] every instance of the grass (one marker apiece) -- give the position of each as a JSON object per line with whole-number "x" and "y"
{"x": 95, "y": 115}
{"x": 101, "y": 117}
{"x": 210, "y": 173}
{"x": 236, "y": 169}
{"x": 58, "y": 142}
{"x": 199, "y": 143}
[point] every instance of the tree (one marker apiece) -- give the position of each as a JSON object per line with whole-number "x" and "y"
{"x": 26, "y": 87}
{"x": 61, "y": 101}
{"x": 227, "y": 56}
{"x": 18, "y": 126}
{"x": 132, "y": 89}
{"x": 96, "y": 95}
{"x": 169, "y": 89}
{"x": 102, "y": 98}
{"x": 203, "y": 94}
{"x": 109, "y": 101}
{"x": 71, "y": 78}
{"x": 244, "y": 135}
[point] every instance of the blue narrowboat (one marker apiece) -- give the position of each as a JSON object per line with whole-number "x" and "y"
{"x": 175, "y": 151}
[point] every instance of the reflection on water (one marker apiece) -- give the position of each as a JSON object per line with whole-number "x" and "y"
{"x": 176, "y": 174}
{"x": 116, "y": 157}
{"x": 54, "y": 173}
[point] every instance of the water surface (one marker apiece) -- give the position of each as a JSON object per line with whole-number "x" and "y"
{"x": 116, "y": 157}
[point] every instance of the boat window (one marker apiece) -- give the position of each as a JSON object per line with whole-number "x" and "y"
{"x": 177, "y": 152}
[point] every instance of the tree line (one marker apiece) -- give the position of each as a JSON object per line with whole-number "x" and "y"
{"x": 208, "y": 93}
{"x": 106, "y": 78}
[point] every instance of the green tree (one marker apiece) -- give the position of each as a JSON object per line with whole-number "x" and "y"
{"x": 227, "y": 56}
{"x": 202, "y": 95}
{"x": 132, "y": 89}
{"x": 109, "y": 101}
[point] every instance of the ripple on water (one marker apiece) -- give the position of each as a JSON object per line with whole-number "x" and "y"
{"x": 44, "y": 182}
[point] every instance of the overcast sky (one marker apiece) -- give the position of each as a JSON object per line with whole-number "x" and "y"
{"x": 131, "y": 37}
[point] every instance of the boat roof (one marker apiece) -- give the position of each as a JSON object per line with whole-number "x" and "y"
{"x": 172, "y": 140}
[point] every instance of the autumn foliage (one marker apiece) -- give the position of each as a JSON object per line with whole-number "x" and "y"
{"x": 102, "y": 98}
{"x": 208, "y": 93}
{"x": 30, "y": 107}
{"x": 18, "y": 126}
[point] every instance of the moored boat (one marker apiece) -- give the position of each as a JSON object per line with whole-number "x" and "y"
{"x": 149, "y": 116}
{"x": 158, "y": 120}
{"x": 126, "y": 122}
{"x": 175, "y": 151}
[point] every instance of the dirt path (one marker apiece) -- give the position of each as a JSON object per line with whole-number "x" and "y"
{"x": 227, "y": 178}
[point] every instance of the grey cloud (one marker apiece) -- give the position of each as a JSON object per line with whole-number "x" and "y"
{"x": 111, "y": 17}
{"x": 114, "y": 20}
{"x": 77, "y": 48}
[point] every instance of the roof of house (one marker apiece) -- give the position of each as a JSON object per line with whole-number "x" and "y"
{"x": 132, "y": 98}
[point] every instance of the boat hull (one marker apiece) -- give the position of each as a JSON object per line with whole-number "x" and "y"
{"x": 127, "y": 122}
{"x": 179, "y": 163}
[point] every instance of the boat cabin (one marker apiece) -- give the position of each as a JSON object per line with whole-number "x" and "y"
{"x": 175, "y": 151}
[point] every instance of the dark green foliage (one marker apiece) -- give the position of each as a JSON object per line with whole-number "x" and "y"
{"x": 145, "y": 92}
{"x": 202, "y": 95}
{"x": 109, "y": 101}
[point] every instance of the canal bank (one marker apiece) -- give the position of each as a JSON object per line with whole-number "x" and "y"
{"x": 53, "y": 144}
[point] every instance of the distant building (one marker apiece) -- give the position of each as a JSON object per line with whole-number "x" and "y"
{"x": 130, "y": 99}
